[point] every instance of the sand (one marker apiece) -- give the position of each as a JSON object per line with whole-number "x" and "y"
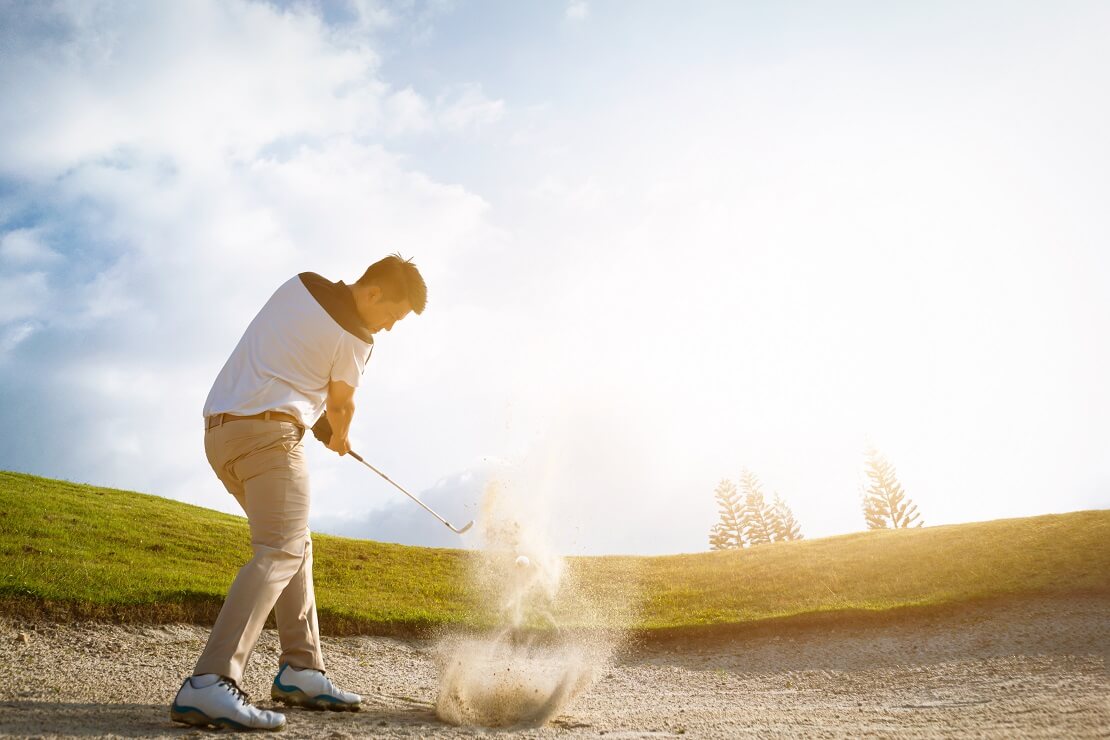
{"x": 1027, "y": 668}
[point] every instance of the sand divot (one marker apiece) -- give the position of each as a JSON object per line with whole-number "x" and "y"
{"x": 498, "y": 683}
{"x": 527, "y": 670}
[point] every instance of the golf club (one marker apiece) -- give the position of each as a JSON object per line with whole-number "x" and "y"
{"x": 322, "y": 431}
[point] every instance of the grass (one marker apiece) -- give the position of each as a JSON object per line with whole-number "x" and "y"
{"x": 70, "y": 551}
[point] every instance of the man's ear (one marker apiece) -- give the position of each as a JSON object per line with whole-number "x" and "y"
{"x": 373, "y": 294}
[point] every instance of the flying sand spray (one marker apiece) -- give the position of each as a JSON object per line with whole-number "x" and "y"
{"x": 527, "y": 669}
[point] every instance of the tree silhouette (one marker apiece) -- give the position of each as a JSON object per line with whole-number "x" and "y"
{"x": 720, "y": 539}
{"x": 785, "y": 527}
{"x": 756, "y": 517}
{"x": 728, "y": 533}
{"x": 746, "y": 519}
{"x": 885, "y": 504}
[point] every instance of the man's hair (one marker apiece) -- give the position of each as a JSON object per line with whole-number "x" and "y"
{"x": 399, "y": 279}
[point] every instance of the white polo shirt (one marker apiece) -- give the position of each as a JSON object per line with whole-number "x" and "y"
{"x": 306, "y": 335}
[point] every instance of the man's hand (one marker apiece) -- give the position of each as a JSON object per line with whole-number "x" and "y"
{"x": 340, "y": 411}
{"x": 336, "y": 444}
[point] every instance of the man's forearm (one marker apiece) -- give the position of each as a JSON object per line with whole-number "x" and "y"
{"x": 339, "y": 417}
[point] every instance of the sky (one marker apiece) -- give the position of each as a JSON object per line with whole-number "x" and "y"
{"x": 664, "y": 242}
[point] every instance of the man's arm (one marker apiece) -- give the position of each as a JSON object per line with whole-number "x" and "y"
{"x": 340, "y": 411}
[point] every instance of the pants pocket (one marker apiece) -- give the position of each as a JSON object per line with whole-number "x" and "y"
{"x": 291, "y": 438}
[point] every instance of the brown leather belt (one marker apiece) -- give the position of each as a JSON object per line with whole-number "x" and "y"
{"x": 216, "y": 420}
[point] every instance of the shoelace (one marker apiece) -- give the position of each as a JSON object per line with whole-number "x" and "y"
{"x": 237, "y": 692}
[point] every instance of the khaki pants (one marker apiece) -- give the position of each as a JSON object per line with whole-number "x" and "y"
{"x": 262, "y": 464}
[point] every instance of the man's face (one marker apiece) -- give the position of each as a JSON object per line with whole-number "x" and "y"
{"x": 377, "y": 312}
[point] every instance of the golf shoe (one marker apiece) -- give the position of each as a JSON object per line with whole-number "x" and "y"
{"x": 217, "y": 701}
{"x": 311, "y": 689}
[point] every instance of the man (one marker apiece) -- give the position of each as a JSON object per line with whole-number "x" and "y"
{"x": 305, "y": 351}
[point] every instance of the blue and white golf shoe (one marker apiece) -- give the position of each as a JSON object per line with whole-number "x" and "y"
{"x": 212, "y": 700}
{"x": 311, "y": 689}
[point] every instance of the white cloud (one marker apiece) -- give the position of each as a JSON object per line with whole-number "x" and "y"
{"x": 25, "y": 294}
{"x": 200, "y": 83}
{"x": 408, "y": 112}
{"x": 586, "y": 195}
{"x": 13, "y": 335}
{"x": 371, "y": 15}
{"x": 467, "y": 107}
{"x": 577, "y": 10}
{"x": 462, "y": 108}
{"x": 25, "y": 247}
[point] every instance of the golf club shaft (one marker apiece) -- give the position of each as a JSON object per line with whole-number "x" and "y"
{"x": 358, "y": 457}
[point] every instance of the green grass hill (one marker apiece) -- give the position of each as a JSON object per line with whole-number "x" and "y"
{"x": 70, "y": 551}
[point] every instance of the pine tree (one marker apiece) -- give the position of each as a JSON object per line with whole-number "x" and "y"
{"x": 728, "y": 533}
{"x": 785, "y": 526}
{"x": 756, "y": 516}
{"x": 885, "y": 504}
{"x": 719, "y": 538}
{"x": 776, "y": 523}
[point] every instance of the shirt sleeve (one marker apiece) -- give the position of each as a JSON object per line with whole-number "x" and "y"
{"x": 351, "y": 355}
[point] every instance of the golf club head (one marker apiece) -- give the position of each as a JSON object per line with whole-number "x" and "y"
{"x": 465, "y": 527}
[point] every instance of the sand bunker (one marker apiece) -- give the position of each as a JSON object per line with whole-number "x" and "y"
{"x": 528, "y": 669}
{"x": 1028, "y": 668}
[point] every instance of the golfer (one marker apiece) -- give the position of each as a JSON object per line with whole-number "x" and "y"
{"x": 301, "y": 357}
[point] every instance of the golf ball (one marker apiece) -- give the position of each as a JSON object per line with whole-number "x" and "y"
{"x": 522, "y": 561}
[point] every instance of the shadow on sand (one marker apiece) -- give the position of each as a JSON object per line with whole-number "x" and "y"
{"x": 38, "y": 718}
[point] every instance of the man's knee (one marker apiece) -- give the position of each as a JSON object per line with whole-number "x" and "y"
{"x": 282, "y": 563}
